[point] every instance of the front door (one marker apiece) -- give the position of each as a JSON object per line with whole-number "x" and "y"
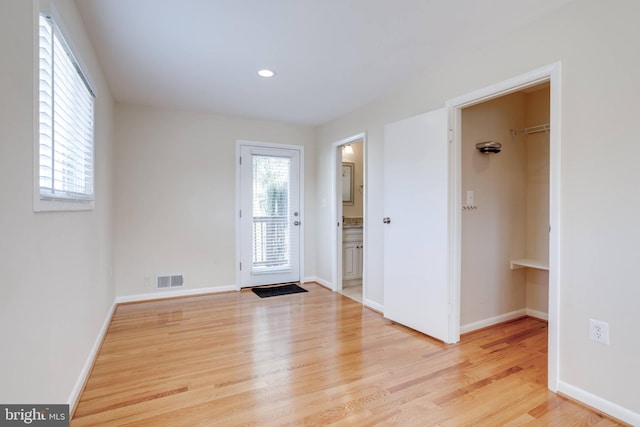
{"x": 270, "y": 217}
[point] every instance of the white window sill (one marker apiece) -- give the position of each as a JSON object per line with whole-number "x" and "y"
{"x": 49, "y": 205}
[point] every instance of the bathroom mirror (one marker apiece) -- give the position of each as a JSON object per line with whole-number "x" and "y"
{"x": 347, "y": 183}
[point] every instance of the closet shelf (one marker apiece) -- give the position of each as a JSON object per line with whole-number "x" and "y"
{"x": 531, "y": 263}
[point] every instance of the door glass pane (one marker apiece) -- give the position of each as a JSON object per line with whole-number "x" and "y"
{"x": 271, "y": 248}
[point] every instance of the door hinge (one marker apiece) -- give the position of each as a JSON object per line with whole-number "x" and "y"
{"x": 450, "y": 136}
{"x": 240, "y": 266}
{"x": 240, "y": 213}
{"x": 240, "y": 160}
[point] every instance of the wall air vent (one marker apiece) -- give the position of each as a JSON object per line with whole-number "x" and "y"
{"x": 167, "y": 282}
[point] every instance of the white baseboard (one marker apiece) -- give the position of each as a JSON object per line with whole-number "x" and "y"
{"x": 600, "y": 404}
{"x": 492, "y": 321}
{"x": 537, "y": 314}
{"x": 88, "y": 364}
{"x": 319, "y": 281}
{"x": 174, "y": 294}
{"x": 366, "y": 302}
{"x": 373, "y": 305}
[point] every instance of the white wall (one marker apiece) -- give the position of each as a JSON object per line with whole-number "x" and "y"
{"x": 175, "y": 195}
{"x": 57, "y": 288}
{"x": 599, "y": 213}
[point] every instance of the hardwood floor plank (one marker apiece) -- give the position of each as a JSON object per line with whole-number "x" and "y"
{"x": 316, "y": 358}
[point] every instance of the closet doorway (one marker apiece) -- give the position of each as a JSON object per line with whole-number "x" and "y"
{"x": 506, "y": 230}
{"x": 505, "y": 221}
{"x": 350, "y": 217}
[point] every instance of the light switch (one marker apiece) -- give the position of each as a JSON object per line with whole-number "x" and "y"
{"x": 470, "y": 198}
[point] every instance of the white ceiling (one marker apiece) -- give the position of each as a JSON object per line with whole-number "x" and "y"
{"x": 331, "y": 56}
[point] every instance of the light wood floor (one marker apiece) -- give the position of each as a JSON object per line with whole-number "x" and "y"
{"x": 316, "y": 358}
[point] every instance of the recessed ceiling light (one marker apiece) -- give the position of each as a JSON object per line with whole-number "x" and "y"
{"x": 266, "y": 73}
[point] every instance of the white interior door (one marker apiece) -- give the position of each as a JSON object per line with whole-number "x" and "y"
{"x": 416, "y": 265}
{"x": 270, "y": 217}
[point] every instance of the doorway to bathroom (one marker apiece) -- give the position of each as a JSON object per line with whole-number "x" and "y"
{"x": 350, "y": 217}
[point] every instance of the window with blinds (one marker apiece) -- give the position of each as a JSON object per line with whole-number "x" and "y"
{"x": 271, "y": 248}
{"x": 66, "y": 112}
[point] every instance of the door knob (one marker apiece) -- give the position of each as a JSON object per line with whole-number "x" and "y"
{"x": 386, "y": 220}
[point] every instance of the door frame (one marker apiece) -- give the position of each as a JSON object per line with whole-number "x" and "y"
{"x": 267, "y": 145}
{"x": 552, "y": 74}
{"x": 336, "y": 192}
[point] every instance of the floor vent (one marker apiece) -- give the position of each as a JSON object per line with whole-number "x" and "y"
{"x": 166, "y": 282}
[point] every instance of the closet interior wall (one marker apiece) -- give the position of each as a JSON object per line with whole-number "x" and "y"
{"x": 510, "y": 218}
{"x": 537, "y": 243}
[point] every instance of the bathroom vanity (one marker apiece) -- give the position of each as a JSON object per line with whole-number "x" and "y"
{"x": 352, "y": 255}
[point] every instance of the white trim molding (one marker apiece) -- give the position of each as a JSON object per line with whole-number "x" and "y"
{"x": 373, "y": 305}
{"x": 473, "y": 326}
{"x": 88, "y": 364}
{"x": 538, "y": 314}
{"x": 319, "y": 281}
{"x": 175, "y": 294}
{"x": 598, "y": 403}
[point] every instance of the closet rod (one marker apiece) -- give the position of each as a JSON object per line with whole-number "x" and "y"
{"x": 533, "y": 129}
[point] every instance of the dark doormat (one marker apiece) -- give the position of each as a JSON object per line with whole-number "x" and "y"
{"x": 274, "y": 291}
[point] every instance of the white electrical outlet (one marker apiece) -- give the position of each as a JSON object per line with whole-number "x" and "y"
{"x": 599, "y": 331}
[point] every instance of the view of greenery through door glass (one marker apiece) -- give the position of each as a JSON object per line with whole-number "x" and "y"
{"x": 270, "y": 212}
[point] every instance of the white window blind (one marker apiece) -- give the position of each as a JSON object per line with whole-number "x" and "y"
{"x": 66, "y": 111}
{"x": 271, "y": 237}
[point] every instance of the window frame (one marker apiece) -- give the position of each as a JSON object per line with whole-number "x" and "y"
{"x": 41, "y": 203}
